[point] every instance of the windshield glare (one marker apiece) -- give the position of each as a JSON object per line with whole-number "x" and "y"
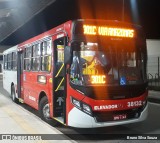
{"x": 111, "y": 64}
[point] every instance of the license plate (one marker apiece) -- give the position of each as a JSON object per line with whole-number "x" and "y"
{"x": 119, "y": 117}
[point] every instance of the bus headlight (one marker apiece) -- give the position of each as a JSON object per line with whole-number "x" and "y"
{"x": 86, "y": 108}
{"x": 82, "y": 106}
{"x": 76, "y": 102}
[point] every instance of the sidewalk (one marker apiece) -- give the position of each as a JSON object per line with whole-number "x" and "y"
{"x": 18, "y": 123}
{"x": 154, "y": 96}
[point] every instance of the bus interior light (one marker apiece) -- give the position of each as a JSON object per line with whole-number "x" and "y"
{"x": 92, "y": 44}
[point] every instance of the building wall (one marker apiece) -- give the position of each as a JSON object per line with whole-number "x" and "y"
{"x": 153, "y": 50}
{"x": 153, "y": 47}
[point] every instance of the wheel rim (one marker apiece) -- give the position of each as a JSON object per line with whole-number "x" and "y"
{"x": 46, "y": 112}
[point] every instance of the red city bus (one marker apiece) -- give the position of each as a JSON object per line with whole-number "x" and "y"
{"x": 84, "y": 73}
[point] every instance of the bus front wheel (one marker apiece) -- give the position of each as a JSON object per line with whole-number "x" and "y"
{"x": 44, "y": 112}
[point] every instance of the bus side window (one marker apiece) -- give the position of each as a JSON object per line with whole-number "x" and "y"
{"x": 5, "y": 62}
{"x": 36, "y": 57}
{"x": 9, "y": 61}
{"x": 60, "y": 44}
{"x": 14, "y": 61}
{"x": 27, "y": 58}
{"x": 46, "y": 55}
{"x": 0, "y": 68}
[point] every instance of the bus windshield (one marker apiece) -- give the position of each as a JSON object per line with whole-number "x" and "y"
{"x": 96, "y": 64}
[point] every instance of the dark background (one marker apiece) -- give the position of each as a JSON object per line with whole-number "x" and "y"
{"x": 143, "y": 12}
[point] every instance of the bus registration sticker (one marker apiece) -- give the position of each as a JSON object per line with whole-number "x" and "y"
{"x": 119, "y": 117}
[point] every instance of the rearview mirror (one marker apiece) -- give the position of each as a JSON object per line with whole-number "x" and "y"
{"x": 105, "y": 60}
{"x": 101, "y": 56}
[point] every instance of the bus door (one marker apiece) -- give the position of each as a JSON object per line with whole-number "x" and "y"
{"x": 59, "y": 94}
{"x": 20, "y": 74}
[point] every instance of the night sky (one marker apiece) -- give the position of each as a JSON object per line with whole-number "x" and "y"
{"x": 143, "y": 12}
{"x": 149, "y": 13}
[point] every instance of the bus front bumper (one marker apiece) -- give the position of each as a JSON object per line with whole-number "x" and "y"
{"x": 79, "y": 119}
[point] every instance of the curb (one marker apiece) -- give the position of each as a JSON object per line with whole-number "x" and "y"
{"x": 154, "y": 96}
{"x": 154, "y": 100}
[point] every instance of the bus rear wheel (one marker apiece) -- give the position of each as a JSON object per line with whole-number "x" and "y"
{"x": 44, "y": 112}
{"x": 13, "y": 94}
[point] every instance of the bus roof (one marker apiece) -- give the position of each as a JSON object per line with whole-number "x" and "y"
{"x": 12, "y": 49}
{"x": 46, "y": 34}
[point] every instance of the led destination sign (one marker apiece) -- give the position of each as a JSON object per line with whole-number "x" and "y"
{"x": 108, "y": 31}
{"x": 98, "y": 79}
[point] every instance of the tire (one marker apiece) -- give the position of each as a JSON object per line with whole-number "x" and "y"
{"x": 13, "y": 95}
{"x": 44, "y": 112}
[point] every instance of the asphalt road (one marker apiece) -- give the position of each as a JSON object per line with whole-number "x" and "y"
{"x": 149, "y": 127}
